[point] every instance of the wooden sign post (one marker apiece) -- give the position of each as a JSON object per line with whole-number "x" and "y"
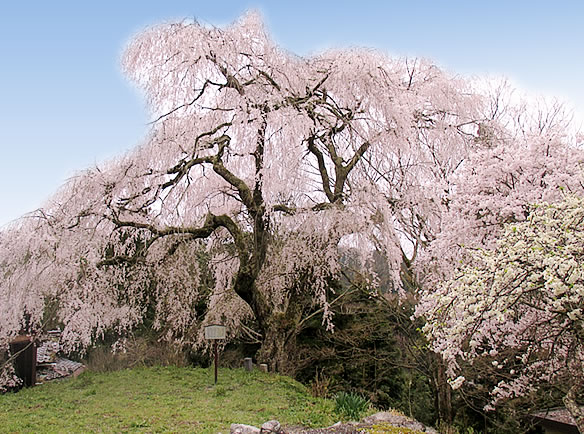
{"x": 215, "y": 332}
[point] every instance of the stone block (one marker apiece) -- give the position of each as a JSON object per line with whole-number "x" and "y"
{"x": 240, "y": 428}
{"x": 272, "y": 426}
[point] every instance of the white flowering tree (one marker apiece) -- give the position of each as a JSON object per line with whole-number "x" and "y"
{"x": 520, "y": 304}
{"x": 527, "y": 154}
{"x": 266, "y": 162}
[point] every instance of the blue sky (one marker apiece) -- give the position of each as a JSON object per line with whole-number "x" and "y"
{"x": 64, "y": 105}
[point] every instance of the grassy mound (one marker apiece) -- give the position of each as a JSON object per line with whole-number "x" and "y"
{"x": 162, "y": 399}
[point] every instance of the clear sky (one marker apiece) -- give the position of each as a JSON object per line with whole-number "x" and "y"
{"x": 64, "y": 104}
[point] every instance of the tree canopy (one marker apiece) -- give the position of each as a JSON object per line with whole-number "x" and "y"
{"x": 266, "y": 161}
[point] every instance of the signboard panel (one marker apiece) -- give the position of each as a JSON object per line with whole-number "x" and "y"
{"x": 215, "y": 331}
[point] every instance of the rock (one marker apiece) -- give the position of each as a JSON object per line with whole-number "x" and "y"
{"x": 272, "y": 426}
{"x": 382, "y": 416}
{"x": 334, "y": 425}
{"x": 240, "y": 428}
{"x": 396, "y": 420}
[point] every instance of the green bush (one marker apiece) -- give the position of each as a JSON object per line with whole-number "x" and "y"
{"x": 351, "y": 405}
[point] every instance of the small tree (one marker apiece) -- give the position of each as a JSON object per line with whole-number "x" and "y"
{"x": 526, "y": 154}
{"x": 521, "y": 304}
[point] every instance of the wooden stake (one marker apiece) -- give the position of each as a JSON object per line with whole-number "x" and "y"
{"x": 215, "y": 348}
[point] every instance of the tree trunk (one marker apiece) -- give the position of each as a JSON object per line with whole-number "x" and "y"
{"x": 278, "y": 329}
{"x": 570, "y": 402}
{"x": 443, "y": 405}
{"x": 278, "y": 346}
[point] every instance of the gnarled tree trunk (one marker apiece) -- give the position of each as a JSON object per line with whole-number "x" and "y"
{"x": 278, "y": 346}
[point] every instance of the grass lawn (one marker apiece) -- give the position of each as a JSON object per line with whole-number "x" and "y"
{"x": 162, "y": 399}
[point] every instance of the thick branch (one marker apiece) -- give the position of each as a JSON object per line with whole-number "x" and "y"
{"x": 322, "y": 169}
{"x": 259, "y": 160}
{"x": 270, "y": 79}
{"x": 212, "y": 222}
{"x": 231, "y": 81}
{"x": 243, "y": 189}
{"x": 293, "y": 210}
{"x": 222, "y": 142}
{"x": 341, "y": 171}
{"x": 183, "y": 167}
{"x": 357, "y": 156}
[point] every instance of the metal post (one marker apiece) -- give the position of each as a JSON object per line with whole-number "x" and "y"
{"x": 215, "y": 349}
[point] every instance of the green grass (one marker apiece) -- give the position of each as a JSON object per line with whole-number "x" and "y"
{"x": 161, "y": 399}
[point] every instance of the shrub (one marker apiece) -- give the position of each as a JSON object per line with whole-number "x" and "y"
{"x": 320, "y": 385}
{"x": 135, "y": 351}
{"x": 351, "y": 405}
